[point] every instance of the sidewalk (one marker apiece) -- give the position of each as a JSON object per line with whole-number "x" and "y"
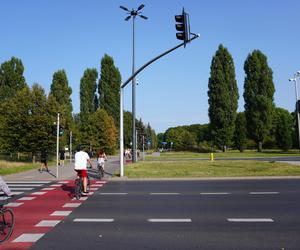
{"x": 65, "y": 172}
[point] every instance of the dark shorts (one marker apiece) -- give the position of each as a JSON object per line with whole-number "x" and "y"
{"x": 82, "y": 172}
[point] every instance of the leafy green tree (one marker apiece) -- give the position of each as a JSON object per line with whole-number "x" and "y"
{"x": 283, "y": 128}
{"x": 11, "y": 78}
{"x": 181, "y": 138}
{"x": 88, "y": 86}
{"x": 109, "y": 88}
{"x": 222, "y": 97}
{"x": 240, "y": 134}
{"x": 62, "y": 92}
{"x": 258, "y": 95}
{"x": 102, "y": 131}
{"x": 127, "y": 128}
{"x": 151, "y": 138}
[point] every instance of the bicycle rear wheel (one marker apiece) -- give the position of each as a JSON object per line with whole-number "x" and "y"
{"x": 88, "y": 186}
{"x": 78, "y": 188}
{"x": 7, "y": 224}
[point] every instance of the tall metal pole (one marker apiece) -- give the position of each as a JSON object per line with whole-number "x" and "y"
{"x": 57, "y": 144}
{"x": 71, "y": 146}
{"x": 121, "y": 135}
{"x": 297, "y": 110}
{"x": 133, "y": 93}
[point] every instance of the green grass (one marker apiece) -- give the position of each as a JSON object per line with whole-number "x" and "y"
{"x": 228, "y": 154}
{"x": 16, "y": 167}
{"x": 166, "y": 169}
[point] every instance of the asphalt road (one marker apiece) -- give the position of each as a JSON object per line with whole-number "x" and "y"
{"x": 223, "y": 214}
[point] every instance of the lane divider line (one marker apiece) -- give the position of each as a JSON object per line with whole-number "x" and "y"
{"x": 264, "y": 192}
{"x": 250, "y": 220}
{"x": 219, "y": 193}
{"x": 92, "y": 220}
{"x": 113, "y": 193}
{"x": 164, "y": 193}
{"x": 170, "y": 220}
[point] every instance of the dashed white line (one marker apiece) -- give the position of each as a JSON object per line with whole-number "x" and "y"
{"x": 164, "y": 193}
{"x": 72, "y": 205}
{"x": 250, "y": 220}
{"x": 61, "y": 213}
{"x": 28, "y": 238}
{"x": 264, "y": 192}
{"x": 26, "y": 198}
{"x": 218, "y": 193}
{"x": 113, "y": 193}
{"x": 47, "y": 223}
{"x": 92, "y": 220}
{"x": 13, "y": 204}
{"x": 170, "y": 220}
{"x": 38, "y": 193}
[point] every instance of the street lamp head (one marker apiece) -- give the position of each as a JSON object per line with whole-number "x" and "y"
{"x": 292, "y": 79}
{"x": 127, "y": 18}
{"x": 124, "y": 8}
{"x": 298, "y": 73}
{"x": 143, "y": 17}
{"x": 140, "y": 7}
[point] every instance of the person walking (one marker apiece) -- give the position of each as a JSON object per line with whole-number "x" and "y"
{"x": 62, "y": 157}
{"x": 44, "y": 160}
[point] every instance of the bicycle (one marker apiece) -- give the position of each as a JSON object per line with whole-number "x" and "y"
{"x": 79, "y": 187}
{"x": 100, "y": 170}
{"x": 7, "y": 222}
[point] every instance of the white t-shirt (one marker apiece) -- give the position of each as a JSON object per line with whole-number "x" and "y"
{"x": 81, "y": 158}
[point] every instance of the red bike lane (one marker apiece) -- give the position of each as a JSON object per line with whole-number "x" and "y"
{"x": 38, "y": 212}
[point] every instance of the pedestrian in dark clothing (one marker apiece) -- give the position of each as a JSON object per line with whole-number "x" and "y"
{"x": 62, "y": 157}
{"x": 44, "y": 160}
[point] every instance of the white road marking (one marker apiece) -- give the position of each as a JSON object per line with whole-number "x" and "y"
{"x": 38, "y": 193}
{"x": 13, "y": 204}
{"x": 97, "y": 185}
{"x": 92, "y": 220}
{"x": 103, "y": 182}
{"x": 14, "y": 193}
{"x": 28, "y": 238}
{"x": 113, "y": 193}
{"x": 72, "y": 205}
{"x": 47, "y": 223}
{"x": 264, "y": 192}
{"x": 81, "y": 199}
{"x": 48, "y": 189}
{"x": 23, "y": 189}
{"x": 26, "y": 198}
{"x": 25, "y": 185}
{"x": 94, "y": 188}
{"x": 26, "y": 182}
{"x": 219, "y": 193}
{"x": 250, "y": 220}
{"x": 164, "y": 193}
{"x": 61, "y": 213}
{"x": 169, "y": 220}
{"x": 63, "y": 182}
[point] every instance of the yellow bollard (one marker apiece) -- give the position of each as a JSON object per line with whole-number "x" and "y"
{"x": 212, "y": 156}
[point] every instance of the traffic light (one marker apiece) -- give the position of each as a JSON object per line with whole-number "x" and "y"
{"x": 61, "y": 130}
{"x": 183, "y": 26}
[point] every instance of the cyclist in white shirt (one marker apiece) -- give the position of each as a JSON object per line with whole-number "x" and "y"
{"x": 81, "y": 160}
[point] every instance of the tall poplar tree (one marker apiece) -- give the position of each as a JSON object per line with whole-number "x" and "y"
{"x": 222, "y": 97}
{"x": 11, "y": 78}
{"x": 258, "y": 95}
{"x": 62, "y": 92}
{"x": 109, "y": 88}
{"x": 88, "y": 87}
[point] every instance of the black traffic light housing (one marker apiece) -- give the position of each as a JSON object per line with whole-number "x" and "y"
{"x": 183, "y": 25}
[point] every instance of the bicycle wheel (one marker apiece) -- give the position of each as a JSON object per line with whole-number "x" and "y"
{"x": 78, "y": 188}
{"x": 7, "y": 224}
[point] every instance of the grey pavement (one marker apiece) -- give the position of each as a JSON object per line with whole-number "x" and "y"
{"x": 65, "y": 172}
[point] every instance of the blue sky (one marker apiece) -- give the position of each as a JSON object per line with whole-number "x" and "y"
{"x": 48, "y": 35}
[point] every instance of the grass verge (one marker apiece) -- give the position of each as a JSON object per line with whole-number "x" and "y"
{"x": 165, "y": 169}
{"x": 16, "y": 167}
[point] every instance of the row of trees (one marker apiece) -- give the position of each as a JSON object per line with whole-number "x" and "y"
{"x": 28, "y": 115}
{"x": 261, "y": 122}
